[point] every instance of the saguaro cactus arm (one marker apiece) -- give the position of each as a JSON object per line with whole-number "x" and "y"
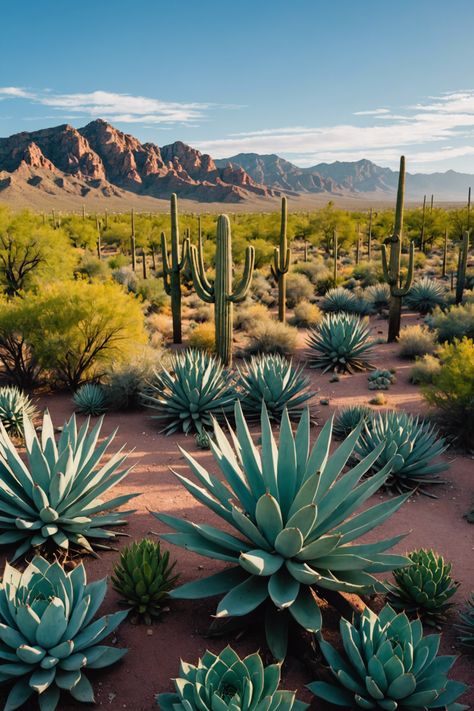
{"x": 204, "y": 289}
{"x": 241, "y": 290}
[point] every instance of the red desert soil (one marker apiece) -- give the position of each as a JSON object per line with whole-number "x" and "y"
{"x": 154, "y": 652}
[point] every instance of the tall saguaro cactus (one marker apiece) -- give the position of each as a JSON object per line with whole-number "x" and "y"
{"x": 99, "y": 238}
{"x": 334, "y": 255}
{"x": 462, "y": 266}
{"x": 391, "y": 264}
{"x": 369, "y": 238}
{"x": 357, "y": 259}
{"x": 173, "y": 265}
{"x": 281, "y": 262}
{"x": 132, "y": 240}
{"x": 422, "y": 231}
{"x": 445, "y": 253}
{"x": 220, "y": 291}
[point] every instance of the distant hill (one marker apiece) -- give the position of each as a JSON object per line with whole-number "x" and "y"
{"x": 65, "y": 166}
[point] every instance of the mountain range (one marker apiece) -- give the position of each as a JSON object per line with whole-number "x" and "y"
{"x": 99, "y": 161}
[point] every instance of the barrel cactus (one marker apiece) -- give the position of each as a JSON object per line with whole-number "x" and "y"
{"x": 388, "y": 664}
{"x": 143, "y": 577}
{"x": 229, "y": 683}
{"x": 190, "y": 393}
{"x": 294, "y": 516}
{"x": 13, "y": 405}
{"x": 54, "y": 499}
{"x": 410, "y": 443}
{"x": 90, "y": 399}
{"x": 425, "y": 587}
{"x": 48, "y": 635}
{"x": 341, "y": 343}
{"x": 273, "y": 379}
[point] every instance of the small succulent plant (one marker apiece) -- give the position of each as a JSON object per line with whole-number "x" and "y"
{"x": 143, "y": 577}
{"x": 194, "y": 389}
{"x": 13, "y": 405}
{"x": 202, "y": 440}
{"x": 225, "y": 682}
{"x": 272, "y": 379}
{"x": 425, "y": 295}
{"x": 54, "y": 497}
{"x": 425, "y": 587}
{"x": 410, "y": 443}
{"x": 388, "y": 664}
{"x": 348, "y": 418}
{"x": 466, "y": 624}
{"x": 90, "y": 399}
{"x": 295, "y": 515}
{"x": 49, "y": 637}
{"x": 341, "y": 343}
{"x": 381, "y": 379}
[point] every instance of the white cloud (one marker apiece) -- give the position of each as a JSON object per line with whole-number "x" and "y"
{"x": 372, "y": 112}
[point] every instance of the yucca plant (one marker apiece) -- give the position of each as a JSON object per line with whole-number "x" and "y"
{"x": 341, "y": 343}
{"x": 272, "y": 379}
{"x": 466, "y": 624}
{"x": 425, "y": 587}
{"x": 425, "y": 295}
{"x": 55, "y": 497}
{"x": 194, "y": 389}
{"x": 348, "y": 418}
{"x": 378, "y": 297}
{"x": 339, "y": 299}
{"x": 225, "y": 682}
{"x": 295, "y": 519}
{"x": 90, "y": 399}
{"x": 13, "y": 404}
{"x": 49, "y": 637}
{"x": 388, "y": 664}
{"x": 410, "y": 443}
{"x": 143, "y": 577}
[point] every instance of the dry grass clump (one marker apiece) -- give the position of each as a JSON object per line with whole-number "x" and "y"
{"x": 415, "y": 341}
{"x": 306, "y": 314}
{"x": 203, "y": 337}
{"x": 270, "y": 336}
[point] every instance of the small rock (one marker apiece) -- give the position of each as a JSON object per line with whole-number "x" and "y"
{"x": 324, "y": 401}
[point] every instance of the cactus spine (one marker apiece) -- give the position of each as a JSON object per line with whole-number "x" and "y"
{"x": 281, "y": 262}
{"x": 462, "y": 266}
{"x": 391, "y": 265}
{"x": 220, "y": 291}
{"x": 334, "y": 256}
{"x": 369, "y": 238}
{"x": 132, "y": 240}
{"x": 173, "y": 265}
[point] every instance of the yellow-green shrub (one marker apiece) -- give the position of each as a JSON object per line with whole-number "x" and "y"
{"x": 203, "y": 337}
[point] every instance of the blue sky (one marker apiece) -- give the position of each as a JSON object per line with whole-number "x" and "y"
{"x": 310, "y": 80}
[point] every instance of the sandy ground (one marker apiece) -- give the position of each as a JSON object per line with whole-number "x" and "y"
{"x": 154, "y": 652}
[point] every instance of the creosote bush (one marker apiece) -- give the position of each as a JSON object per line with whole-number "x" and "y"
{"x": 306, "y": 314}
{"x": 298, "y": 288}
{"x": 203, "y": 337}
{"x": 456, "y": 322}
{"x": 271, "y": 337}
{"x": 416, "y": 341}
{"x": 424, "y": 370}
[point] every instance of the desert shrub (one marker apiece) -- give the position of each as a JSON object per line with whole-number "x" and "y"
{"x": 452, "y": 391}
{"x": 298, "y": 287}
{"x": 249, "y": 315}
{"x": 118, "y": 261}
{"x": 17, "y": 356}
{"x": 203, "y": 337}
{"x": 367, "y": 273}
{"x": 424, "y": 370}
{"x": 161, "y": 324}
{"x": 378, "y": 297}
{"x": 416, "y": 341}
{"x": 315, "y": 271}
{"x": 126, "y": 277}
{"x": 74, "y": 330}
{"x": 425, "y": 295}
{"x": 271, "y": 337}
{"x": 455, "y": 323}
{"x": 125, "y": 382}
{"x": 261, "y": 289}
{"x": 203, "y": 313}
{"x": 306, "y": 314}
{"x": 92, "y": 267}
{"x": 151, "y": 291}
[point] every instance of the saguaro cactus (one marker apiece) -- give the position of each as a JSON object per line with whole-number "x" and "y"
{"x": 462, "y": 266}
{"x": 281, "y": 262}
{"x": 357, "y": 260}
{"x": 391, "y": 265}
{"x": 422, "y": 231}
{"x": 220, "y": 291}
{"x": 369, "y": 238}
{"x": 99, "y": 239}
{"x": 445, "y": 253}
{"x": 132, "y": 240}
{"x": 334, "y": 255}
{"x": 173, "y": 265}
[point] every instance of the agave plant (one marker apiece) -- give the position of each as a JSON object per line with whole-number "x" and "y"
{"x": 13, "y": 404}
{"x": 272, "y": 379}
{"x": 425, "y": 295}
{"x": 466, "y": 624}
{"x": 425, "y": 587}
{"x": 348, "y": 418}
{"x": 143, "y": 577}
{"x": 410, "y": 443}
{"x": 225, "y": 681}
{"x": 195, "y": 389}
{"x": 90, "y": 399}
{"x": 341, "y": 343}
{"x": 54, "y": 497}
{"x": 388, "y": 664}
{"x": 378, "y": 297}
{"x": 339, "y": 299}
{"x": 294, "y": 519}
{"x": 48, "y": 634}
